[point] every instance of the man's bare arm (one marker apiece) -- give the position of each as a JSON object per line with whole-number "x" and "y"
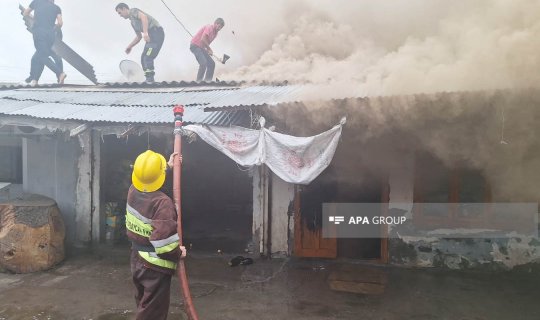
{"x": 27, "y": 12}
{"x": 144, "y": 21}
{"x": 59, "y": 21}
{"x": 134, "y": 42}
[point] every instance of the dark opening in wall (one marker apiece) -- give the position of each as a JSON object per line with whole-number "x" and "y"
{"x": 216, "y": 195}
{"x": 217, "y": 200}
{"x": 11, "y": 160}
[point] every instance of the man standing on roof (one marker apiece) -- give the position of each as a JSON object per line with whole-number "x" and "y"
{"x": 200, "y": 46}
{"x": 47, "y": 21}
{"x": 147, "y": 28}
{"x": 152, "y": 229}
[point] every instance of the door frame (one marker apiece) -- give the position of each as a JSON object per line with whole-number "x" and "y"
{"x": 299, "y": 230}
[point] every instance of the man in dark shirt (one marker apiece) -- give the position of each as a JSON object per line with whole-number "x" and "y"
{"x": 47, "y": 21}
{"x": 147, "y": 28}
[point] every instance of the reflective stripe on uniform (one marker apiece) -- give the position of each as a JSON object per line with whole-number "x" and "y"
{"x": 137, "y": 215}
{"x": 154, "y": 259}
{"x": 168, "y": 248}
{"x": 164, "y": 242}
{"x": 166, "y": 245}
{"x": 149, "y": 52}
{"x": 137, "y": 226}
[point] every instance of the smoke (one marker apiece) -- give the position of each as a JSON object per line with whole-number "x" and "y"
{"x": 494, "y": 133}
{"x": 429, "y": 47}
{"x": 408, "y": 51}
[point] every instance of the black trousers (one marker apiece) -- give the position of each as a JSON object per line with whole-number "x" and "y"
{"x": 151, "y": 50}
{"x": 153, "y": 290}
{"x": 43, "y": 42}
{"x": 206, "y": 63}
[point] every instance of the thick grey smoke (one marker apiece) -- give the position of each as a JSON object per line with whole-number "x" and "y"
{"x": 416, "y": 47}
{"x": 492, "y": 132}
{"x": 430, "y": 46}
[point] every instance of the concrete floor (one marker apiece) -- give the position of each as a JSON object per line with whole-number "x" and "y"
{"x": 98, "y": 286}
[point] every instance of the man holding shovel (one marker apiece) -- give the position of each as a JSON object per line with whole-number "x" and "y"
{"x": 200, "y": 46}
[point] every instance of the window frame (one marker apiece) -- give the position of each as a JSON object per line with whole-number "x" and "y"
{"x": 451, "y": 219}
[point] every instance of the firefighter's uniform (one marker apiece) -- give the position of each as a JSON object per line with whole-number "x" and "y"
{"x": 151, "y": 227}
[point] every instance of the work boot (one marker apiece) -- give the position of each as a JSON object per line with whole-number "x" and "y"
{"x": 33, "y": 83}
{"x": 61, "y": 77}
{"x": 150, "y": 79}
{"x": 28, "y": 80}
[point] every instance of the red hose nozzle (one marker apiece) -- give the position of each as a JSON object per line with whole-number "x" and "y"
{"x": 178, "y": 109}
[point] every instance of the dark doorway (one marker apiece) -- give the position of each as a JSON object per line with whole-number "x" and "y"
{"x": 217, "y": 200}
{"x": 368, "y": 191}
{"x": 329, "y": 188}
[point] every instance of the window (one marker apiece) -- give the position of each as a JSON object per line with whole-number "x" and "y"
{"x": 11, "y": 164}
{"x": 449, "y": 197}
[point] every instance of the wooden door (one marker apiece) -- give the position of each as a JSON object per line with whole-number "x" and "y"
{"x": 309, "y": 243}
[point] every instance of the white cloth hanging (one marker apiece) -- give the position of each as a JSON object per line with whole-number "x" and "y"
{"x": 296, "y": 160}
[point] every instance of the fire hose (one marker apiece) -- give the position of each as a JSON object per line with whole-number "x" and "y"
{"x": 181, "y": 269}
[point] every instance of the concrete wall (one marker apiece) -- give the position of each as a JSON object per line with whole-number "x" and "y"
{"x": 493, "y": 254}
{"x": 260, "y": 209}
{"x": 282, "y": 217}
{"x": 273, "y": 217}
{"x": 10, "y": 141}
{"x": 83, "y": 191}
{"x": 51, "y": 170}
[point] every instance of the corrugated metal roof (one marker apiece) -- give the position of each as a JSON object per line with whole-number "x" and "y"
{"x": 117, "y": 114}
{"x": 209, "y": 98}
{"x": 163, "y": 84}
{"x": 150, "y": 104}
{"x": 12, "y": 86}
{"x": 170, "y": 84}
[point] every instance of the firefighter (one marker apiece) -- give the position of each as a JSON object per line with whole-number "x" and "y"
{"x": 151, "y": 228}
{"x": 200, "y": 47}
{"x": 147, "y": 28}
{"x": 47, "y": 22}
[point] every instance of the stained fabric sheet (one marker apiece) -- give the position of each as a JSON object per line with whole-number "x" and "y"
{"x": 296, "y": 160}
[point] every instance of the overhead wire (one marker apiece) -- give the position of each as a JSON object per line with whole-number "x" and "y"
{"x": 174, "y": 15}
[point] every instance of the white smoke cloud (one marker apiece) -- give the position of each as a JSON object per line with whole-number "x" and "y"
{"x": 472, "y": 46}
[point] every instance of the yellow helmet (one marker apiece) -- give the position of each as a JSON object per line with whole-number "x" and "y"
{"x": 149, "y": 171}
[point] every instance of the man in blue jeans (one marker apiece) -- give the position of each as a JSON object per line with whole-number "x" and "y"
{"x": 47, "y": 21}
{"x": 200, "y": 46}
